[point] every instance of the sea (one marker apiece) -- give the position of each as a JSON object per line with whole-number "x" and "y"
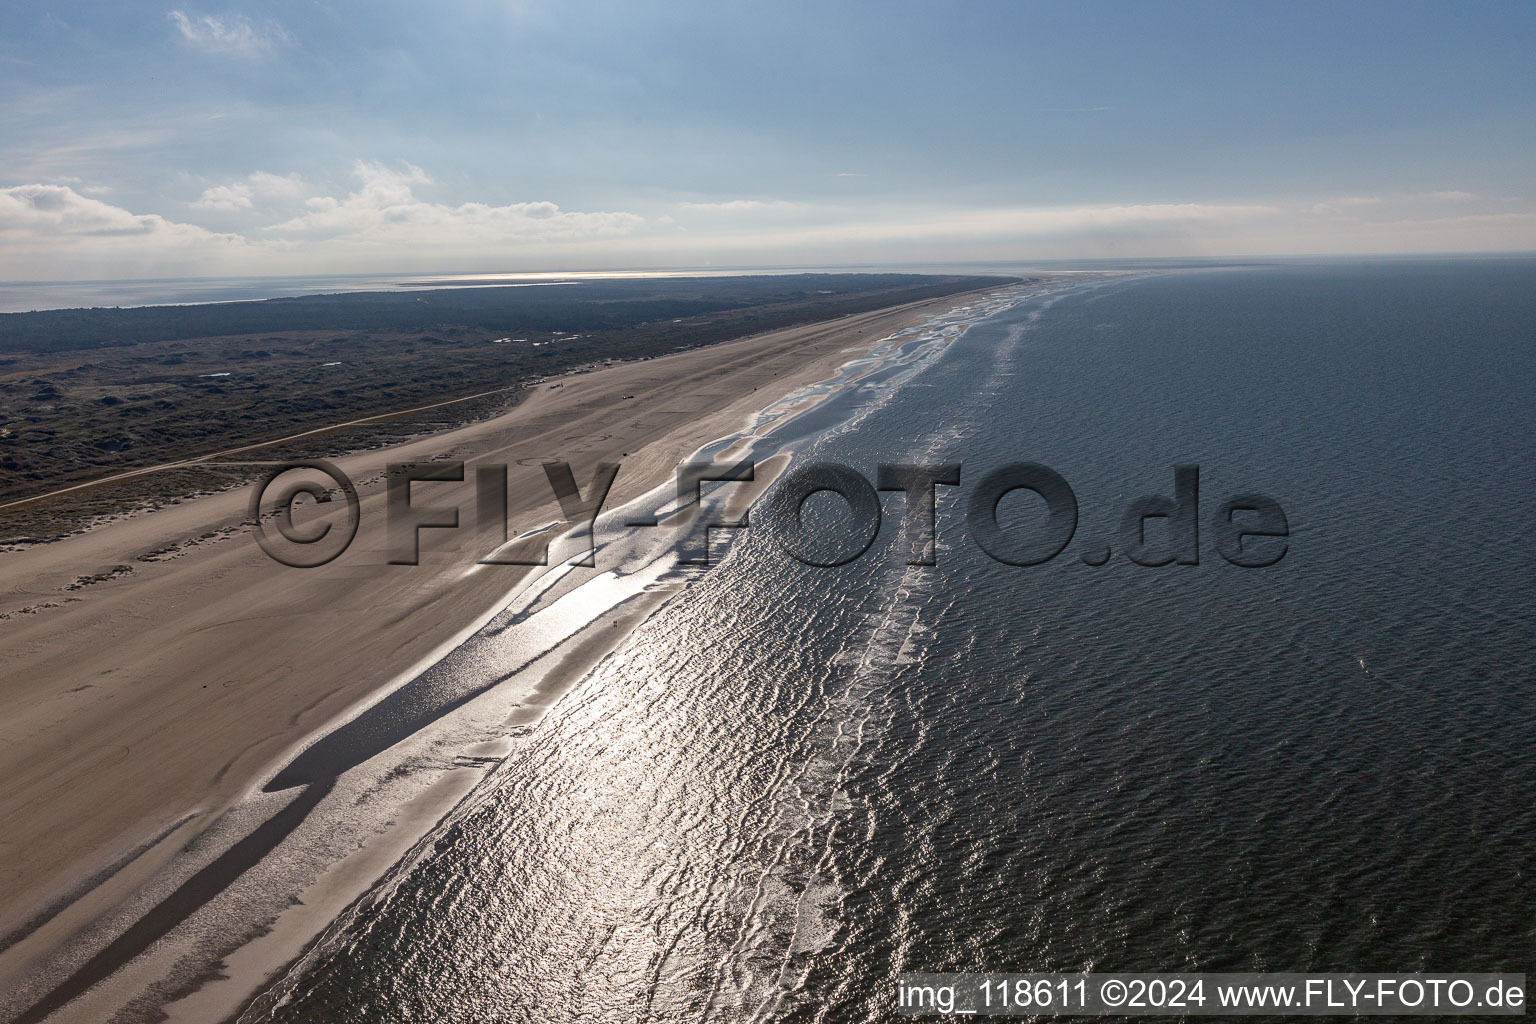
{"x": 792, "y": 782}
{"x": 785, "y": 783}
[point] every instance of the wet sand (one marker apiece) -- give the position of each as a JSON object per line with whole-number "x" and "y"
{"x": 148, "y": 702}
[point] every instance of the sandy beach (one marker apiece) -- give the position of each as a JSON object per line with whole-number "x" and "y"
{"x": 144, "y": 702}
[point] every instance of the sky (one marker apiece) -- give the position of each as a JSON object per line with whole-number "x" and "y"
{"x": 186, "y": 138}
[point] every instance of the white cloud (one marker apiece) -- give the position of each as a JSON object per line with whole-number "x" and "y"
{"x": 230, "y": 33}
{"x": 54, "y": 230}
{"x": 241, "y": 195}
{"x": 386, "y": 211}
{"x": 58, "y": 211}
{"x": 225, "y": 197}
{"x": 282, "y": 186}
{"x": 1453, "y": 196}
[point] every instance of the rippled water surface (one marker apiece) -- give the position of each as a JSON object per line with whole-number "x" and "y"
{"x": 791, "y": 782}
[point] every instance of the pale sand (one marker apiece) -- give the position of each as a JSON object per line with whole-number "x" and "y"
{"x": 171, "y": 691}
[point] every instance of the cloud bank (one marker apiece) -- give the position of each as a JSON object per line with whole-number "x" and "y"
{"x": 59, "y": 214}
{"x": 388, "y": 222}
{"x": 53, "y": 232}
{"x": 385, "y": 212}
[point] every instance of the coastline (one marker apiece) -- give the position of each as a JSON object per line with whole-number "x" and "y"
{"x": 705, "y": 393}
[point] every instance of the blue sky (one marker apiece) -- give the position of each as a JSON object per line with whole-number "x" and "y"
{"x": 154, "y": 139}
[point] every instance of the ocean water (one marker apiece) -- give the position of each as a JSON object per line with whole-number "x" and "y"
{"x": 792, "y": 782}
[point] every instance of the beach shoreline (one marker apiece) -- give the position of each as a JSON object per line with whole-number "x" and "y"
{"x": 91, "y": 780}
